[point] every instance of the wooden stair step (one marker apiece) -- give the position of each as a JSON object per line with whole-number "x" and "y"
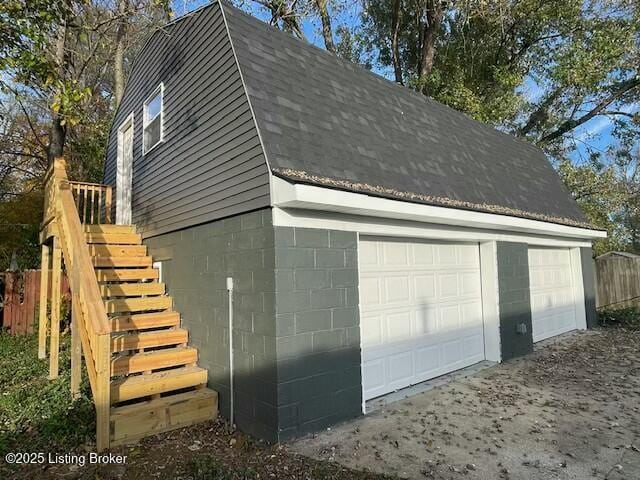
{"x": 138, "y": 304}
{"x": 109, "y": 228}
{"x": 149, "y": 339}
{"x": 127, "y": 274}
{"x": 132, "y": 289}
{"x": 114, "y": 262}
{"x": 147, "y": 361}
{"x": 130, "y": 423}
{"x": 108, "y": 250}
{"x": 142, "y": 321}
{"x": 113, "y": 238}
{"x": 147, "y": 384}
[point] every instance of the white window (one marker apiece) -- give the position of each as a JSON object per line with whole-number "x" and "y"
{"x": 152, "y": 120}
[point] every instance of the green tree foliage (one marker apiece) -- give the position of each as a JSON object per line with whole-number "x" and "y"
{"x": 57, "y": 96}
{"x": 581, "y": 56}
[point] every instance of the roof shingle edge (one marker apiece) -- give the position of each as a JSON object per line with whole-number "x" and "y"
{"x": 300, "y": 176}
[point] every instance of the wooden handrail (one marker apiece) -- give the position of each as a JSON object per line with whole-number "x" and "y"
{"x": 91, "y": 324}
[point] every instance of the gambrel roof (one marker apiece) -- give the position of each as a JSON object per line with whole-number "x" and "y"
{"x": 325, "y": 121}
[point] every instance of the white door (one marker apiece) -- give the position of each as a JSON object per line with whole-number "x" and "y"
{"x": 552, "y": 292}
{"x": 124, "y": 172}
{"x": 420, "y": 311}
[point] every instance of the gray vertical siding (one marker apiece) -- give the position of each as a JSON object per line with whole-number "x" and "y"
{"x": 211, "y": 164}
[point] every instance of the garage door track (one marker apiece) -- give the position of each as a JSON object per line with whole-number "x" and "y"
{"x": 570, "y": 410}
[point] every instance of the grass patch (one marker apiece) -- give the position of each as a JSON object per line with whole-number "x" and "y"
{"x": 628, "y": 317}
{"x": 37, "y": 414}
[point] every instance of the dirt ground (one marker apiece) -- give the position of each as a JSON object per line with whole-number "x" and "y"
{"x": 571, "y": 410}
{"x": 568, "y": 411}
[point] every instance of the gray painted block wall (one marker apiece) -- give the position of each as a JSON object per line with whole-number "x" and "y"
{"x": 589, "y": 285}
{"x": 296, "y": 323}
{"x": 296, "y": 320}
{"x": 317, "y": 329}
{"x": 514, "y": 299}
{"x": 196, "y": 263}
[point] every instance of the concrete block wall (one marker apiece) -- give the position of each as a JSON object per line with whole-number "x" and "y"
{"x": 589, "y": 284}
{"x": 317, "y": 329}
{"x": 195, "y": 263}
{"x": 514, "y": 299}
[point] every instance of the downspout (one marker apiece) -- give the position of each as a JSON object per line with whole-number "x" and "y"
{"x": 230, "y": 295}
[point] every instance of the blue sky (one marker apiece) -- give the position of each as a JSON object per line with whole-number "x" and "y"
{"x": 594, "y": 135}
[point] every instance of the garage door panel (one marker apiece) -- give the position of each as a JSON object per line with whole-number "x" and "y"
{"x": 471, "y": 284}
{"x": 395, "y": 254}
{"x": 373, "y": 370}
{"x": 431, "y": 323}
{"x": 467, "y": 255}
{"x": 552, "y": 292}
{"x": 370, "y": 289}
{"x": 395, "y": 289}
{"x": 448, "y": 285}
{"x": 400, "y": 367}
{"x": 425, "y": 287}
{"x": 471, "y": 314}
{"x": 422, "y": 254}
{"x": 426, "y": 320}
{"x": 398, "y": 326}
{"x": 372, "y": 330}
{"x": 446, "y": 254}
{"x": 368, "y": 254}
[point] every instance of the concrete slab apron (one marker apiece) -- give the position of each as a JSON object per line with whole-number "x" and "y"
{"x": 549, "y": 415}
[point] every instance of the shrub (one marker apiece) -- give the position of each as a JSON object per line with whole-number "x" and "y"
{"x": 627, "y": 317}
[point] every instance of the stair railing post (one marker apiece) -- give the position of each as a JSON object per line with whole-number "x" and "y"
{"x": 76, "y": 345}
{"x": 56, "y": 274}
{"x": 44, "y": 299}
{"x": 107, "y": 203}
{"x": 102, "y": 397}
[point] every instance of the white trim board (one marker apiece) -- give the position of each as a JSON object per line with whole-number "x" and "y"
{"x": 124, "y": 185}
{"x": 288, "y": 196}
{"x": 367, "y": 225}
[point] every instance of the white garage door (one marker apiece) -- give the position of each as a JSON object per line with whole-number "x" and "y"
{"x": 552, "y": 294}
{"x": 421, "y": 311}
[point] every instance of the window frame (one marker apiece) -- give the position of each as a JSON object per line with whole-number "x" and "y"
{"x": 145, "y": 121}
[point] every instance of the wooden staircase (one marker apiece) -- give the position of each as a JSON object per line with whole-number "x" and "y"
{"x": 156, "y": 384}
{"x": 143, "y": 374}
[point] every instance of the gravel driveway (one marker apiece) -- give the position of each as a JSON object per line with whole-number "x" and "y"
{"x": 571, "y": 410}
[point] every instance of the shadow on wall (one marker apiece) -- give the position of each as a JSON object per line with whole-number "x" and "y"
{"x": 280, "y": 400}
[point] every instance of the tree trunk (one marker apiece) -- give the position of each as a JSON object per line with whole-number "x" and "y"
{"x": 118, "y": 67}
{"x": 435, "y": 13}
{"x": 395, "y": 51}
{"x": 327, "y": 32}
{"x": 58, "y": 132}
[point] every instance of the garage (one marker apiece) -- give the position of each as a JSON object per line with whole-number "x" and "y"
{"x": 553, "y": 307}
{"x": 421, "y": 311}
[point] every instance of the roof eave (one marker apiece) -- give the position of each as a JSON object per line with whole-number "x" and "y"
{"x": 316, "y": 196}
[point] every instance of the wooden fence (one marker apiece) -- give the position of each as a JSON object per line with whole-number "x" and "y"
{"x": 618, "y": 279}
{"x": 20, "y": 300}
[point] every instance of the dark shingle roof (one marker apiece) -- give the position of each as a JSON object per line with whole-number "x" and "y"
{"x": 322, "y": 117}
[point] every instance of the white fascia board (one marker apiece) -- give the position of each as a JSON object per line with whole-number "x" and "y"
{"x": 286, "y": 195}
